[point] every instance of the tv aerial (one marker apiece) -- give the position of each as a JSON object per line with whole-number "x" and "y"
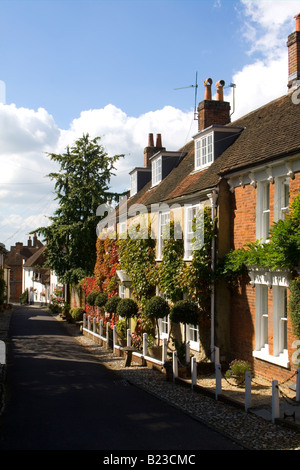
{"x": 196, "y": 87}
{"x": 233, "y": 86}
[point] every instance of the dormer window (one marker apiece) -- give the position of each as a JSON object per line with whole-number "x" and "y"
{"x": 139, "y": 177}
{"x": 156, "y": 171}
{"x": 203, "y": 151}
{"x": 133, "y": 184}
{"x": 210, "y": 143}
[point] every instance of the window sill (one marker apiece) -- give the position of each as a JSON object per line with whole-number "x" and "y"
{"x": 194, "y": 345}
{"x": 281, "y": 360}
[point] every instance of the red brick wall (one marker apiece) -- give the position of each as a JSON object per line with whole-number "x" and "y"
{"x": 213, "y": 112}
{"x": 244, "y": 215}
{"x": 242, "y": 333}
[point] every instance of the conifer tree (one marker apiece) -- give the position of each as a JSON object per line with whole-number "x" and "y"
{"x": 81, "y": 185}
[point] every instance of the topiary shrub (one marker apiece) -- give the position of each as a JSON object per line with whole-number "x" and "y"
{"x": 127, "y": 308}
{"x": 100, "y": 299}
{"x": 90, "y": 300}
{"x": 155, "y": 308}
{"x": 185, "y": 311}
{"x": 112, "y": 304}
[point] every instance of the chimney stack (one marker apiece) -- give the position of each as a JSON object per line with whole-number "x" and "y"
{"x": 150, "y": 150}
{"x": 293, "y": 45}
{"x": 213, "y": 112}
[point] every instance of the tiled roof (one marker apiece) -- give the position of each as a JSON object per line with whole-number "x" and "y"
{"x": 38, "y": 258}
{"x": 269, "y": 132}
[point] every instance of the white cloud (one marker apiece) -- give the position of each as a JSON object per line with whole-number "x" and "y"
{"x": 27, "y": 135}
{"x": 265, "y": 28}
{"x": 122, "y": 134}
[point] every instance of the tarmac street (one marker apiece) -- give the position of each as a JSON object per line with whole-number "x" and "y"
{"x": 60, "y": 397}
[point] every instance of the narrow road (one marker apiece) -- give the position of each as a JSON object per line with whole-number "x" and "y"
{"x": 60, "y": 397}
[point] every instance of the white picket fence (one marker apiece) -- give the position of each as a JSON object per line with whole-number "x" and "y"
{"x": 90, "y": 327}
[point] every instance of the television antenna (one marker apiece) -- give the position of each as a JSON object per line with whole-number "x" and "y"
{"x": 196, "y": 87}
{"x": 233, "y": 86}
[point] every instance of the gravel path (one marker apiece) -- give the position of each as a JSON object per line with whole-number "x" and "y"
{"x": 248, "y": 429}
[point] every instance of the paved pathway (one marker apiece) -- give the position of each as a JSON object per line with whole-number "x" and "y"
{"x": 60, "y": 397}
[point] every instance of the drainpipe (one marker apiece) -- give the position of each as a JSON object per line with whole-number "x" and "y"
{"x": 213, "y": 200}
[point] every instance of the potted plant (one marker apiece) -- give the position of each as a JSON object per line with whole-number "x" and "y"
{"x": 237, "y": 370}
{"x": 121, "y": 331}
{"x": 155, "y": 308}
{"x": 187, "y": 313}
{"x": 77, "y": 313}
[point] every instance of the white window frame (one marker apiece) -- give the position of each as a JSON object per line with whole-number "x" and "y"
{"x": 164, "y": 327}
{"x": 263, "y": 211}
{"x": 204, "y": 151}
{"x": 193, "y": 336}
{"x": 133, "y": 184}
{"x": 163, "y": 220}
{"x": 191, "y": 211}
{"x": 156, "y": 170}
{"x": 281, "y": 194}
{"x": 122, "y": 291}
{"x": 279, "y": 283}
{"x": 261, "y": 318}
{"x": 279, "y": 320}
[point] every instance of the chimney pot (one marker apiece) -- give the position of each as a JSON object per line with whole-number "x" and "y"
{"x": 297, "y": 22}
{"x": 219, "y": 85}
{"x": 158, "y": 141}
{"x": 207, "y": 90}
{"x": 150, "y": 140}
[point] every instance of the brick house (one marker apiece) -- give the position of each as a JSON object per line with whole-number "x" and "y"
{"x": 247, "y": 172}
{"x": 15, "y": 259}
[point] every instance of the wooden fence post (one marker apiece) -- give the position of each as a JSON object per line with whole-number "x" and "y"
{"x": 175, "y": 365}
{"x": 107, "y": 336}
{"x": 247, "y": 390}
{"x": 298, "y": 385}
{"x": 114, "y": 336}
{"x": 145, "y": 344}
{"x": 275, "y": 400}
{"x": 218, "y": 380}
{"x": 187, "y": 353}
{"x": 164, "y": 350}
{"x": 128, "y": 338}
{"x": 194, "y": 371}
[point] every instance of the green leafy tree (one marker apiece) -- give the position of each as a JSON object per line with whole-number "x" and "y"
{"x": 81, "y": 185}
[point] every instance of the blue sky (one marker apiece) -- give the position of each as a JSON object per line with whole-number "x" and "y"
{"x": 69, "y": 56}
{"x": 111, "y": 68}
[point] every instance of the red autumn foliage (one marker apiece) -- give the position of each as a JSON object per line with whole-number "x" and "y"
{"x": 107, "y": 262}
